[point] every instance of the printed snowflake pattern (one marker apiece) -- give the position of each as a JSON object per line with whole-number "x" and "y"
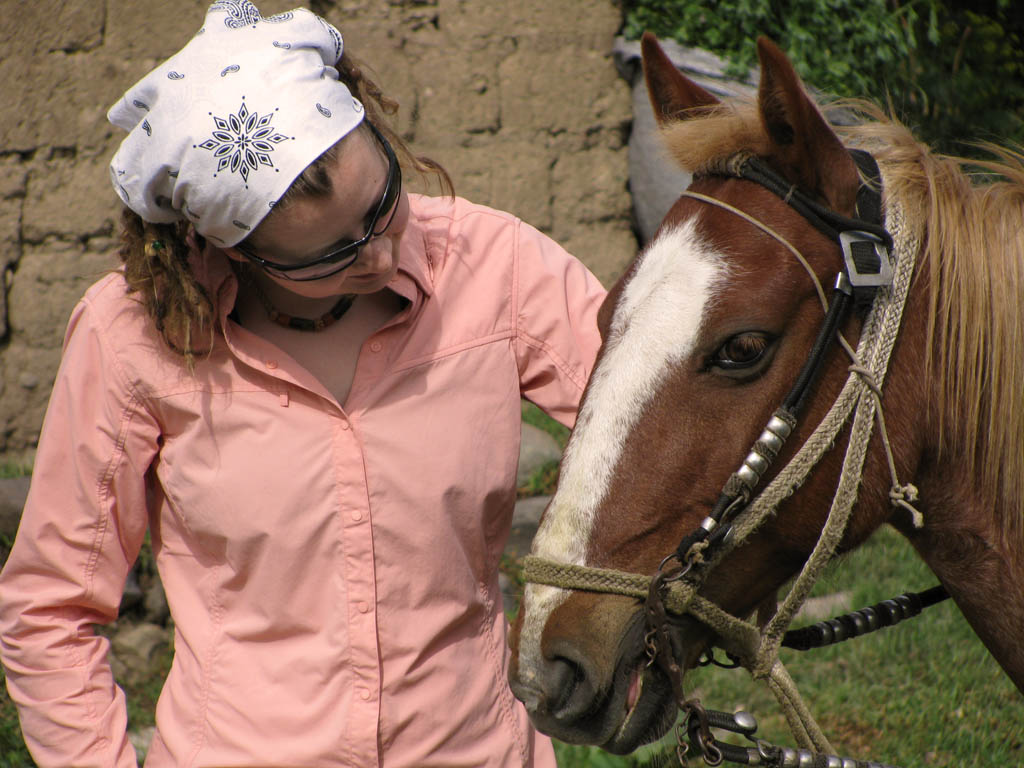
{"x": 243, "y": 142}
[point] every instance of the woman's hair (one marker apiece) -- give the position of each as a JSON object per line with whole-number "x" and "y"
{"x": 155, "y": 256}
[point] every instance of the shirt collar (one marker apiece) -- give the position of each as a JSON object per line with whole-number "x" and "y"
{"x": 415, "y": 268}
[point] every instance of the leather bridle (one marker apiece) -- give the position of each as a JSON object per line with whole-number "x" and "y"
{"x": 865, "y": 246}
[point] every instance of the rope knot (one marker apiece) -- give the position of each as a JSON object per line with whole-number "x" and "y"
{"x": 695, "y": 554}
{"x": 905, "y": 496}
{"x": 868, "y": 378}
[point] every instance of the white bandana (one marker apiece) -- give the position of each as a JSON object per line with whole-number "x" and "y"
{"x": 220, "y": 130}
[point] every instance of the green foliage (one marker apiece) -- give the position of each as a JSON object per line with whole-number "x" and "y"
{"x": 13, "y": 753}
{"x": 953, "y": 74}
{"x": 12, "y": 469}
{"x": 543, "y": 481}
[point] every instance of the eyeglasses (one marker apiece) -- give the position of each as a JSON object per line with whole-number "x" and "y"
{"x": 344, "y": 256}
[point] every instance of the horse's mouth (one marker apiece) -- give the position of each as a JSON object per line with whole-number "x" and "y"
{"x": 636, "y": 705}
{"x": 647, "y": 699}
{"x": 649, "y": 710}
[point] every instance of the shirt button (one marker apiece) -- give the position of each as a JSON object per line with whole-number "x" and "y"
{"x": 364, "y": 695}
{"x": 376, "y": 346}
{"x": 357, "y": 515}
{"x": 345, "y": 424}
{"x": 271, "y": 364}
{"x": 363, "y": 607}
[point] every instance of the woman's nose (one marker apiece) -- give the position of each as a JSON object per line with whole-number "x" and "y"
{"x": 376, "y": 254}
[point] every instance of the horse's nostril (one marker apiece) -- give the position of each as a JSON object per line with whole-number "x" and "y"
{"x": 569, "y": 690}
{"x": 563, "y": 676}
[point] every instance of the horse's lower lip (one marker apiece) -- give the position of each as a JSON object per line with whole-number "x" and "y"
{"x": 636, "y": 685}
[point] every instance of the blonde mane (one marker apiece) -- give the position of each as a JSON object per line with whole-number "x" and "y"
{"x": 969, "y": 215}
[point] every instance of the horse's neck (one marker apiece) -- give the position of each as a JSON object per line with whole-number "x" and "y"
{"x": 963, "y": 540}
{"x": 962, "y": 543}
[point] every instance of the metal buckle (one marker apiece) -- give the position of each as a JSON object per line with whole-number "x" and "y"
{"x": 867, "y": 279}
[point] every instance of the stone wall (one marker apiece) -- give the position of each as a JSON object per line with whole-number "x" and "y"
{"x": 519, "y": 99}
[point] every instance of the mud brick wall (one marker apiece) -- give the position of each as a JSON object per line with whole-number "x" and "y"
{"x": 519, "y": 99}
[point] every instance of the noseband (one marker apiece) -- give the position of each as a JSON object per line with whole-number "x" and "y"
{"x": 867, "y": 277}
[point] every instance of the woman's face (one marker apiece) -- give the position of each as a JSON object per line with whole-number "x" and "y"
{"x": 312, "y": 226}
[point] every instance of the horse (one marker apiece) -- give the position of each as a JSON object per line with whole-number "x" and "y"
{"x": 710, "y": 328}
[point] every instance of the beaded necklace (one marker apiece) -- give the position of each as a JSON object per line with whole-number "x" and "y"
{"x": 328, "y": 318}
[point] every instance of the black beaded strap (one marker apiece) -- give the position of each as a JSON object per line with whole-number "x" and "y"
{"x": 850, "y": 625}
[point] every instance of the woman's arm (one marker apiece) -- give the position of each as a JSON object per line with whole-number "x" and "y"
{"x": 80, "y": 532}
{"x": 556, "y": 336}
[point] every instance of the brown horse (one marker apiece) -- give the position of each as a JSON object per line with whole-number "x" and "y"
{"x": 703, "y": 338}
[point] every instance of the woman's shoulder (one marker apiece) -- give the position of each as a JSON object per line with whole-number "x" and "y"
{"x": 118, "y": 320}
{"x": 447, "y": 213}
{"x": 111, "y": 327}
{"x": 109, "y": 301}
{"x": 457, "y": 231}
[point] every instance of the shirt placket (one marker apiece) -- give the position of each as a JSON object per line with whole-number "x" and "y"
{"x": 358, "y": 574}
{"x": 358, "y": 740}
{"x": 358, "y": 559}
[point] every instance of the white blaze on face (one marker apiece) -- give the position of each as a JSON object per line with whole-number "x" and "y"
{"x": 654, "y": 326}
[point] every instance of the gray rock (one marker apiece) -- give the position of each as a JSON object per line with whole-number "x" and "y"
{"x": 511, "y": 594}
{"x": 13, "y": 492}
{"x": 525, "y": 520}
{"x": 528, "y": 511}
{"x": 155, "y": 603}
{"x": 135, "y": 648}
{"x": 536, "y": 449}
{"x": 655, "y": 181}
{"x": 141, "y": 739}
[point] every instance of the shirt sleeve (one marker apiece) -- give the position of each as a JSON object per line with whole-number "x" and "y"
{"x": 556, "y": 326}
{"x": 80, "y": 532}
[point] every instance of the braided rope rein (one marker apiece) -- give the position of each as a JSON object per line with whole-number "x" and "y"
{"x": 860, "y": 397}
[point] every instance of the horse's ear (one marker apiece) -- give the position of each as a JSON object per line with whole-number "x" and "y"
{"x": 806, "y": 150}
{"x": 672, "y": 94}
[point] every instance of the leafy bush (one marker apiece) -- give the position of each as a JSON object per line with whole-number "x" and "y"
{"x": 954, "y": 74}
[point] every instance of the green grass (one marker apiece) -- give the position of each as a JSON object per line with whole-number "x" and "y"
{"x": 13, "y": 469}
{"x": 543, "y": 481}
{"x": 924, "y": 693}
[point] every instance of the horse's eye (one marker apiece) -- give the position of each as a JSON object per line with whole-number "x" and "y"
{"x": 742, "y": 352}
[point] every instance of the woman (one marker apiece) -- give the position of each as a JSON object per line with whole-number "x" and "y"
{"x": 305, "y": 382}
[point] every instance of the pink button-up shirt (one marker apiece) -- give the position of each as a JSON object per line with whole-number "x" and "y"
{"x": 331, "y": 571}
